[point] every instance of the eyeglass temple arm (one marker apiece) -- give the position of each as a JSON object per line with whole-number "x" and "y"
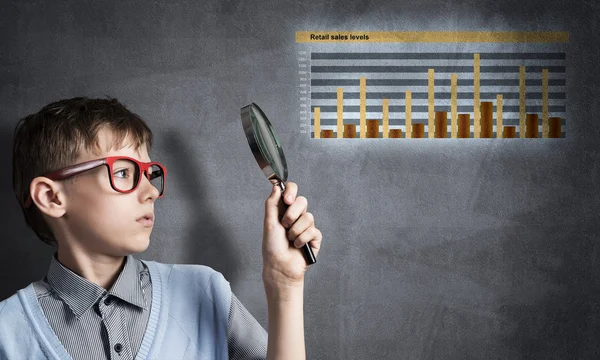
{"x": 68, "y": 172}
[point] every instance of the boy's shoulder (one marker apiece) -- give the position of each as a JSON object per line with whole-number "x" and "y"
{"x": 12, "y": 315}
{"x": 18, "y": 340}
{"x": 181, "y": 269}
{"x": 191, "y": 288}
{"x": 3, "y": 304}
{"x": 9, "y": 306}
{"x": 185, "y": 276}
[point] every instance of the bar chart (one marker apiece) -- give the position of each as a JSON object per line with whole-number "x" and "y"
{"x": 386, "y": 92}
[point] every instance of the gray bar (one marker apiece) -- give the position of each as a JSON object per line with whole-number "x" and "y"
{"x": 425, "y": 108}
{"x": 439, "y": 69}
{"x": 435, "y": 56}
{"x": 562, "y": 135}
{"x": 402, "y": 121}
{"x": 441, "y": 82}
{"x": 438, "y": 95}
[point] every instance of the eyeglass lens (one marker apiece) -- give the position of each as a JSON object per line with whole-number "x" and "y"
{"x": 126, "y": 175}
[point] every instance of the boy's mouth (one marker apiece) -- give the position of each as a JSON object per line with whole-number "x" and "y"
{"x": 146, "y": 219}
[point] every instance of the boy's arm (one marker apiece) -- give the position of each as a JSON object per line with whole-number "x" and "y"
{"x": 286, "y": 323}
{"x": 284, "y": 267}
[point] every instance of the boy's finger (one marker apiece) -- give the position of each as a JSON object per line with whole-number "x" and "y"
{"x": 291, "y": 190}
{"x": 313, "y": 237}
{"x": 306, "y": 236}
{"x": 304, "y": 222}
{"x": 294, "y": 212}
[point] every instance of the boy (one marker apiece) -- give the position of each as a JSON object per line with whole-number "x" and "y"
{"x": 85, "y": 182}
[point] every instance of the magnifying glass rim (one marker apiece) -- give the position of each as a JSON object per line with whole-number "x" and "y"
{"x": 258, "y": 153}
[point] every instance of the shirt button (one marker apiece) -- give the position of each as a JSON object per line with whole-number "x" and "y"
{"x": 118, "y": 348}
{"x": 107, "y": 301}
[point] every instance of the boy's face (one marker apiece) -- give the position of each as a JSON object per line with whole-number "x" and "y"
{"x": 100, "y": 220}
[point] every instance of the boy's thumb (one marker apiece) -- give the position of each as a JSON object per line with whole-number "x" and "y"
{"x": 272, "y": 205}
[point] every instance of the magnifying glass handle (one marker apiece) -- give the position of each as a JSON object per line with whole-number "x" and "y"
{"x": 306, "y": 249}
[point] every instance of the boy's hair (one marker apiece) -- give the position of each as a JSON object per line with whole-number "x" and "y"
{"x": 54, "y": 137}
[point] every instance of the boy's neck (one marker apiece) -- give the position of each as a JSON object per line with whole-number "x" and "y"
{"x": 100, "y": 269}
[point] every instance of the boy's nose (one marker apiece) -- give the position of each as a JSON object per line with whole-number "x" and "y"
{"x": 145, "y": 182}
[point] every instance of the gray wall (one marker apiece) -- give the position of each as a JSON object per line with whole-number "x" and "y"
{"x": 500, "y": 263}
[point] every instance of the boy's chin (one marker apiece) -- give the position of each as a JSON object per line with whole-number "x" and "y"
{"x": 135, "y": 246}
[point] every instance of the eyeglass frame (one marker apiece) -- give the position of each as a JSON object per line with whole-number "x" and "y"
{"x": 77, "y": 169}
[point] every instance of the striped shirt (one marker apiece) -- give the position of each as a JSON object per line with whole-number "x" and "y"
{"x": 93, "y": 323}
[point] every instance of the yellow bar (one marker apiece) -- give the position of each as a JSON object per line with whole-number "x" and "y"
{"x": 317, "y": 123}
{"x": 431, "y": 98}
{"x": 476, "y": 99}
{"x": 522, "y": 102}
{"x": 544, "y": 103}
{"x": 432, "y": 36}
{"x": 453, "y": 106}
{"x": 340, "y": 112}
{"x": 408, "y": 110}
{"x": 499, "y": 116}
{"x": 386, "y": 120}
{"x": 363, "y": 107}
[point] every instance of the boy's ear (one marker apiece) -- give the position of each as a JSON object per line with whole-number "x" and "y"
{"x": 49, "y": 196}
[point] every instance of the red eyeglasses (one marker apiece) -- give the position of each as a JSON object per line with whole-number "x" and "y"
{"x": 124, "y": 173}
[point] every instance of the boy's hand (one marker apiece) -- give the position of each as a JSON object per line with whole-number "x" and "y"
{"x": 283, "y": 263}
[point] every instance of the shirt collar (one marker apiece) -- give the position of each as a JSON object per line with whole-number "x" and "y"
{"x": 128, "y": 286}
{"x": 81, "y": 294}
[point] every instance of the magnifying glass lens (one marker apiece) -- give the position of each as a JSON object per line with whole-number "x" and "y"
{"x": 268, "y": 144}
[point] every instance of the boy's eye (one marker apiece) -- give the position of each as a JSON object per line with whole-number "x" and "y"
{"x": 123, "y": 174}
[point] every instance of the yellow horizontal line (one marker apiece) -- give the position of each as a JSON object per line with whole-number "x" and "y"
{"x": 430, "y": 36}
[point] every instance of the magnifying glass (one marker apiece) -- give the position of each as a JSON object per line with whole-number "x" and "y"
{"x": 269, "y": 155}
